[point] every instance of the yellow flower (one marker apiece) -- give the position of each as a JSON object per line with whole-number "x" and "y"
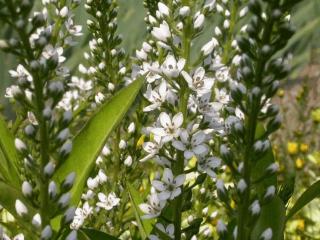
{"x": 232, "y": 204}
{"x": 281, "y": 93}
{"x": 315, "y": 115}
{"x": 304, "y": 147}
{"x": 292, "y": 148}
{"x": 140, "y": 141}
{"x": 301, "y": 224}
{"x": 299, "y": 163}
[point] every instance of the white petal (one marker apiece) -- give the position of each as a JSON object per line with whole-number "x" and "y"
{"x": 164, "y": 119}
{"x": 167, "y": 176}
{"x": 164, "y": 195}
{"x": 175, "y": 193}
{"x": 177, "y": 120}
{"x": 188, "y": 154}
{"x": 187, "y": 77}
{"x": 179, "y": 145}
{"x": 181, "y": 64}
{"x": 163, "y": 90}
{"x": 159, "y": 132}
{"x": 200, "y": 149}
{"x": 198, "y": 138}
{"x": 199, "y": 73}
{"x": 158, "y": 185}
{"x": 179, "y": 180}
{"x": 146, "y": 208}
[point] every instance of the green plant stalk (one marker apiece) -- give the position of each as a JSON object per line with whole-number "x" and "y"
{"x": 184, "y": 95}
{"x": 251, "y": 126}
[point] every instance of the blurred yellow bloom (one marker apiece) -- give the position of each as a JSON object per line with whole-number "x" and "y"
{"x": 281, "y": 92}
{"x": 315, "y": 115}
{"x": 301, "y": 224}
{"x": 292, "y": 148}
{"x": 304, "y": 147}
{"x": 193, "y": 162}
{"x": 299, "y": 163}
{"x": 232, "y": 204}
{"x": 140, "y": 141}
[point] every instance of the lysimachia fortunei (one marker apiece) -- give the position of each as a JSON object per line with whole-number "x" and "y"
{"x": 181, "y": 145}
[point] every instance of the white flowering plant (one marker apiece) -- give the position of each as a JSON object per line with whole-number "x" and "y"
{"x": 169, "y": 142}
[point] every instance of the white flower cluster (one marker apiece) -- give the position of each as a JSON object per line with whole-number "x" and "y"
{"x": 186, "y": 99}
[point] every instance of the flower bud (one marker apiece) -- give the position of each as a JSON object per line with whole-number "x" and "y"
{"x": 47, "y": 113}
{"x": 36, "y": 220}
{"x": 242, "y": 186}
{"x": 72, "y": 235}
{"x": 46, "y": 233}
{"x": 266, "y": 235}
{"x": 67, "y": 117}
{"x": 65, "y": 149}
{"x": 255, "y": 208}
{"x": 184, "y": 11}
{"x": 20, "y": 145}
{"x": 221, "y": 228}
{"x": 271, "y": 191}
{"x": 49, "y": 169}
{"x": 68, "y": 215}
{"x": 68, "y": 182}
{"x": 52, "y": 190}
{"x": 21, "y": 209}
{"x": 26, "y": 189}
{"x": 64, "y": 200}
{"x": 30, "y": 130}
{"x": 199, "y": 21}
{"x": 63, "y": 135}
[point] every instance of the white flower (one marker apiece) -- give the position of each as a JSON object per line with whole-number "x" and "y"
{"x": 169, "y": 187}
{"x": 267, "y": 234}
{"x": 64, "y": 12}
{"x": 156, "y": 97}
{"x": 270, "y": 192}
{"x": 191, "y": 147}
{"x": 163, "y": 9}
{"x": 209, "y": 47}
{"x": 221, "y": 227}
{"x": 208, "y": 165}
{"x": 152, "y": 148}
{"x": 242, "y": 185}
{"x": 199, "y": 21}
{"x": 108, "y": 202}
{"x": 21, "y": 209}
{"x": 153, "y": 208}
{"x": 50, "y": 52}
{"x": 81, "y": 84}
{"x": 169, "y": 231}
{"x": 184, "y": 11}
{"x": 170, "y": 127}
{"x": 171, "y": 68}
{"x": 162, "y": 32}
{"x": 255, "y": 208}
{"x": 209, "y": 4}
{"x": 74, "y": 30}
{"x": 21, "y": 74}
{"x": 198, "y": 83}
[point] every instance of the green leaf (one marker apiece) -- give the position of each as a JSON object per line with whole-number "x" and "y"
{"x": 145, "y": 226}
{"x": 310, "y": 194}
{"x": 88, "y": 144}
{"x": 272, "y": 216}
{"x": 8, "y": 156}
{"x": 92, "y": 234}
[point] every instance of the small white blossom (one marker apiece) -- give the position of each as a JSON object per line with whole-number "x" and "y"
{"x": 171, "y": 68}
{"x": 108, "y": 202}
{"x": 169, "y": 187}
{"x": 170, "y": 128}
{"x": 199, "y": 82}
{"x": 162, "y": 32}
{"x": 153, "y": 208}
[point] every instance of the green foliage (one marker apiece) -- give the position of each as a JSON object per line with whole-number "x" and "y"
{"x": 8, "y": 156}
{"x": 272, "y": 216}
{"x": 92, "y": 234}
{"x": 91, "y": 139}
{"x": 309, "y": 195}
{"x": 145, "y": 226}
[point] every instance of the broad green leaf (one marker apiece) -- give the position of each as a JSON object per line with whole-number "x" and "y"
{"x": 310, "y": 194}
{"x": 272, "y": 216}
{"x": 92, "y": 234}
{"x": 88, "y": 144}
{"x": 8, "y": 156}
{"x": 145, "y": 226}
